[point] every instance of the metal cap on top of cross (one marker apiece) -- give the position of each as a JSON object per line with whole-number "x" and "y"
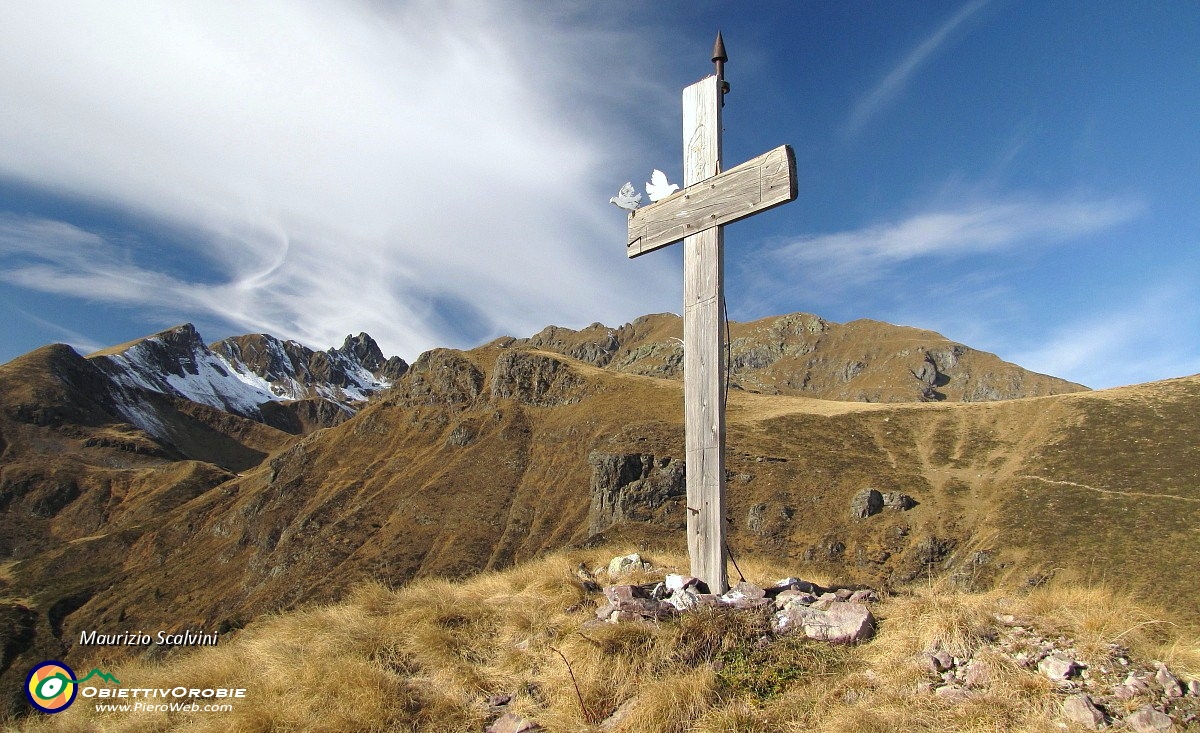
{"x": 719, "y": 57}
{"x": 697, "y": 215}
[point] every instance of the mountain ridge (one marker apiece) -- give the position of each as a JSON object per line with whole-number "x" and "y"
{"x": 804, "y": 354}
{"x": 479, "y": 459}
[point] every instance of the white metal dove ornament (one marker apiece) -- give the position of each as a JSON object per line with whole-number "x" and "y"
{"x": 657, "y": 187}
{"x": 627, "y": 198}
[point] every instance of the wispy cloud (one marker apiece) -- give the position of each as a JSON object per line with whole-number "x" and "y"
{"x": 886, "y": 91}
{"x": 335, "y": 165}
{"x": 1140, "y": 338}
{"x": 861, "y": 255}
{"x": 80, "y": 342}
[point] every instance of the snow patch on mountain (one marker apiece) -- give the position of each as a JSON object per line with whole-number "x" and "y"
{"x": 240, "y": 374}
{"x": 203, "y": 377}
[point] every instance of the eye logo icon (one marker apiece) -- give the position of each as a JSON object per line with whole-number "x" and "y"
{"x": 51, "y": 687}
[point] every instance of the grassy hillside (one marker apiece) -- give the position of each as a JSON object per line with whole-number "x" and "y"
{"x": 79, "y": 488}
{"x": 438, "y": 656}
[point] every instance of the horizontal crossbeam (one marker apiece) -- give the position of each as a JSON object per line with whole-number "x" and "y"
{"x": 756, "y": 185}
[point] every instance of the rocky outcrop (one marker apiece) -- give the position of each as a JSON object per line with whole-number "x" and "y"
{"x": 869, "y": 502}
{"x": 866, "y": 503}
{"x": 594, "y": 345}
{"x": 931, "y": 377}
{"x": 535, "y": 379}
{"x": 175, "y": 352}
{"x": 363, "y": 350}
{"x": 636, "y": 487}
{"x": 663, "y": 359}
{"x": 442, "y": 376}
{"x": 769, "y": 520}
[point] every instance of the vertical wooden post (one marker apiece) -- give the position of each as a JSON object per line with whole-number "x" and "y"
{"x": 703, "y": 338}
{"x": 709, "y": 200}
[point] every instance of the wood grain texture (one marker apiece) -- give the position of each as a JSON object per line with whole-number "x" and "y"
{"x": 756, "y": 185}
{"x": 703, "y": 355}
{"x": 709, "y": 200}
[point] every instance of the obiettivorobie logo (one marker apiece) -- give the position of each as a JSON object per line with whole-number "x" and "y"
{"x": 52, "y": 687}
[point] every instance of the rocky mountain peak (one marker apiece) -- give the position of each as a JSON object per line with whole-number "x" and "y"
{"x": 249, "y": 375}
{"x": 364, "y": 350}
{"x": 278, "y": 362}
{"x": 175, "y": 351}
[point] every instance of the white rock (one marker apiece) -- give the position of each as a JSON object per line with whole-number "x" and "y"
{"x": 618, "y": 565}
{"x": 512, "y": 723}
{"x": 864, "y": 596}
{"x": 683, "y": 599}
{"x": 1130, "y": 688}
{"x": 1057, "y": 667}
{"x": 675, "y": 581}
{"x": 840, "y": 623}
{"x": 794, "y": 596}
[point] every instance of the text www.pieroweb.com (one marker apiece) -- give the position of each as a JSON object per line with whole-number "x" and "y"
{"x": 163, "y": 707}
{"x": 151, "y": 700}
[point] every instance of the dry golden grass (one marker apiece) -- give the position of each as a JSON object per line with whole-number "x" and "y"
{"x": 1097, "y": 615}
{"x": 7, "y": 580}
{"x": 427, "y": 656}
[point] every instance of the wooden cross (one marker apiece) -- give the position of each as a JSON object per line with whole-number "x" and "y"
{"x": 697, "y": 215}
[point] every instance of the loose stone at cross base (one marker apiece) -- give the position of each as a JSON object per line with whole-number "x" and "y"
{"x": 1092, "y": 697}
{"x": 796, "y": 606}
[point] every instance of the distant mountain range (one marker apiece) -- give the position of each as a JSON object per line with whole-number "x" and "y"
{"x": 169, "y": 484}
{"x": 283, "y": 384}
{"x": 289, "y": 386}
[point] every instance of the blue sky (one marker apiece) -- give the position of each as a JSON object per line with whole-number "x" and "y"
{"x": 1020, "y": 176}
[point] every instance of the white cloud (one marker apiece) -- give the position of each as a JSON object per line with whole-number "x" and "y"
{"x": 340, "y": 166}
{"x": 859, "y": 256}
{"x": 894, "y": 82}
{"x": 1144, "y": 338}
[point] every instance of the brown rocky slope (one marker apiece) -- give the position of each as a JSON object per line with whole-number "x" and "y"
{"x": 479, "y": 459}
{"x": 806, "y": 355}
